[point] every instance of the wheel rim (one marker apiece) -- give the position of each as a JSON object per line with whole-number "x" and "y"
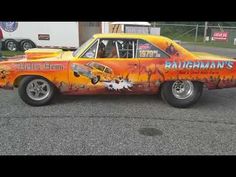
{"x": 182, "y": 89}
{"x": 27, "y": 46}
{"x": 11, "y": 46}
{"x": 38, "y": 89}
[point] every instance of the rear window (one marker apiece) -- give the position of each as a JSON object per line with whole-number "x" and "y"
{"x": 147, "y": 50}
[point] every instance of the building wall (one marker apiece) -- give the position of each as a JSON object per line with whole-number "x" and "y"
{"x": 88, "y": 29}
{"x": 115, "y": 28}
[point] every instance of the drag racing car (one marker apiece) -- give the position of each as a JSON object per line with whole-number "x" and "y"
{"x": 118, "y": 64}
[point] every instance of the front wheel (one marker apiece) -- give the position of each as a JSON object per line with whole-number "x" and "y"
{"x": 181, "y": 94}
{"x": 36, "y": 91}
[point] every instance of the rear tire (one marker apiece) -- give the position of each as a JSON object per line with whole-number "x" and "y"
{"x": 181, "y": 94}
{"x": 36, "y": 91}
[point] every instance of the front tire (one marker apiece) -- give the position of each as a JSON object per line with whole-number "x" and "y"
{"x": 181, "y": 94}
{"x": 36, "y": 91}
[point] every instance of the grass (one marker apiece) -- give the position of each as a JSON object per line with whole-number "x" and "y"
{"x": 10, "y": 53}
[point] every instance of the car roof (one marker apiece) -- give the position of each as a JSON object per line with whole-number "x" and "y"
{"x": 160, "y": 41}
{"x": 130, "y": 35}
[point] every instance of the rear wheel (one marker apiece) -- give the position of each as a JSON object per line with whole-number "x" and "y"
{"x": 36, "y": 91}
{"x": 181, "y": 94}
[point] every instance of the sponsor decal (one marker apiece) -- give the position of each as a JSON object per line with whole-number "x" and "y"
{"x": 39, "y": 66}
{"x": 90, "y": 54}
{"x": 220, "y": 36}
{"x": 9, "y": 26}
{"x": 199, "y": 65}
{"x": 144, "y": 46}
{"x": 149, "y": 54}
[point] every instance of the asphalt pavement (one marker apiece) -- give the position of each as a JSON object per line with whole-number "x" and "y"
{"x": 118, "y": 125}
{"x": 228, "y": 52}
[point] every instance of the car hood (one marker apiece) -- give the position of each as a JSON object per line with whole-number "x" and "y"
{"x": 41, "y": 55}
{"x": 37, "y": 53}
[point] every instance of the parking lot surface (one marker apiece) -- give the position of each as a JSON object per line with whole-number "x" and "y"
{"x": 118, "y": 125}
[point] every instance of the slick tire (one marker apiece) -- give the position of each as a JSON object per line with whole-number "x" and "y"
{"x": 181, "y": 94}
{"x": 36, "y": 91}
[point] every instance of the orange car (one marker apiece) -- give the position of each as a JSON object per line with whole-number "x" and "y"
{"x": 129, "y": 64}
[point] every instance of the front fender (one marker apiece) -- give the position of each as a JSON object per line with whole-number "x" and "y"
{"x": 54, "y": 71}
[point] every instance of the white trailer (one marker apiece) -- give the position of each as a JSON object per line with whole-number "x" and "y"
{"x": 25, "y": 35}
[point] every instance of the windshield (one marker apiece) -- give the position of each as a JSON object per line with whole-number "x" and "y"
{"x": 75, "y": 53}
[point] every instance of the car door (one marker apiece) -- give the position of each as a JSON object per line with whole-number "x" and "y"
{"x": 108, "y": 66}
{"x": 152, "y": 66}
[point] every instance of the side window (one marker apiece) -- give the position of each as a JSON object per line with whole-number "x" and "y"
{"x": 91, "y": 52}
{"x": 107, "y": 49}
{"x": 126, "y": 48}
{"x": 116, "y": 48}
{"x": 147, "y": 50}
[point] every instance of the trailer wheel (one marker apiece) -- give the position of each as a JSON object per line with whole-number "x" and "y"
{"x": 11, "y": 45}
{"x": 26, "y": 45}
